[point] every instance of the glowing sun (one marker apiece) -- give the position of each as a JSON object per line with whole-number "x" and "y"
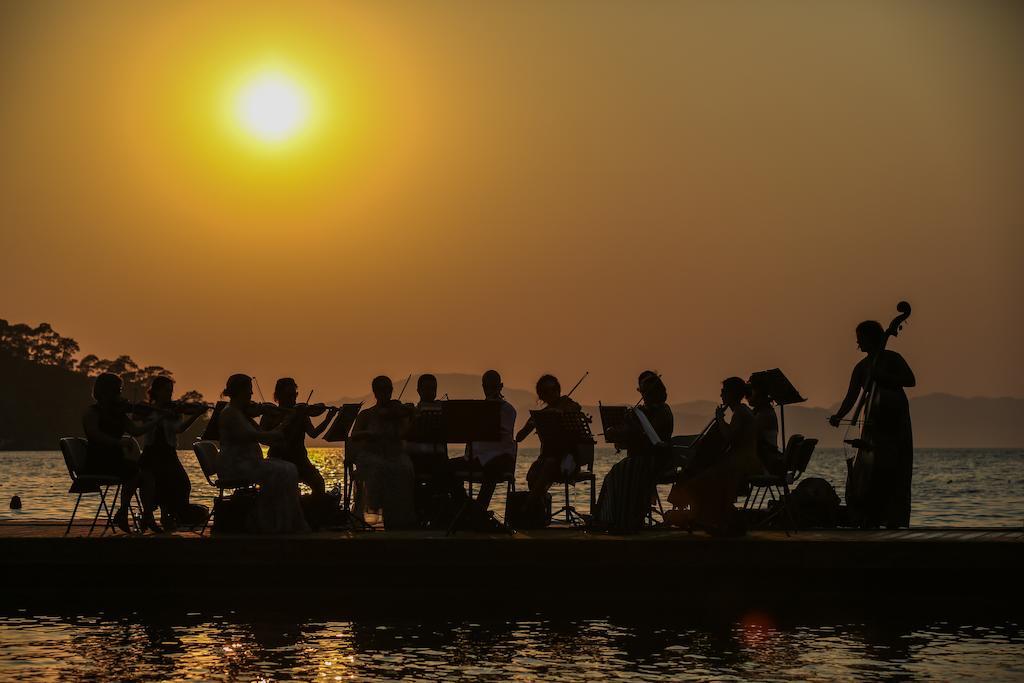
{"x": 272, "y": 107}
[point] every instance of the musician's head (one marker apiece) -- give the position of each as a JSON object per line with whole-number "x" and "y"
{"x": 106, "y": 388}
{"x": 286, "y": 391}
{"x": 548, "y": 389}
{"x": 426, "y": 387}
{"x": 238, "y": 388}
{"x": 161, "y": 389}
{"x": 734, "y": 390}
{"x": 382, "y": 388}
{"x": 651, "y": 387}
{"x": 758, "y": 391}
{"x": 491, "y": 383}
{"x": 870, "y": 335}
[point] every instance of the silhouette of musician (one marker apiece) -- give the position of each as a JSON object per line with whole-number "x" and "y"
{"x": 429, "y": 456}
{"x": 109, "y": 432}
{"x": 710, "y": 483}
{"x": 550, "y": 465}
{"x": 160, "y": 453}
{"x": 891, "y": 432}
{"x": 766, "y": 426}
{"x": 298, "y": 427}
{"x": 278, "y": 508}
{"x": 383, "y": 471}
{"x": 625, "y": 497}
{"x": 493, "y": 458}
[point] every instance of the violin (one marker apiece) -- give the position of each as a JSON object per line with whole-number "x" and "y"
{"x": 859, "y": 468}
{"x": 258, "y": 409}
{"x": 142, "y": 410}
{"x": 396, "y": 410}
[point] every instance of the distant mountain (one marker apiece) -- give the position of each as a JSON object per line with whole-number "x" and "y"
{"x": 940, "y": 420}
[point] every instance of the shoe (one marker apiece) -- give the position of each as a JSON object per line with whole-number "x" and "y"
{"x": 121, "y": 520}
{"x": 149, "y": 523}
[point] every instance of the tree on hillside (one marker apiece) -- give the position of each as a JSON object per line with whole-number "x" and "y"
{"x": 43, "y": 345}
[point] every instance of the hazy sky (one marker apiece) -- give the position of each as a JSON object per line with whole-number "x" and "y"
{"x": 705, "y": 189}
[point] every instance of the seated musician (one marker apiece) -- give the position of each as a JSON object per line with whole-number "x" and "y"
{"x": 709, "y": 487}
{"x": 428, "y": 455}
{"x": 298, "y": 427}
{"x": 766, "y": 427}
{"x": 172, "y": 486}
{"x": 384, "y": 473}
{"x": 109, "y": 432}
{"x": 550, "y": 465}
{"x": 493, "y": 458}
{"x": 278, "y": 508}
{"x": 625, "y": 498}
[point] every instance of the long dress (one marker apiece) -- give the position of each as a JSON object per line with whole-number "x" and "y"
{"x": 384, "y": 474}
{"x": 889, "y": 495}
{"x": 278, "y": 510}
{"x": 625, "y": 497}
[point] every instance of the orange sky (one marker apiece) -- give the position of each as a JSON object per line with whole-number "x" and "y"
{"x": 705, "y": 189}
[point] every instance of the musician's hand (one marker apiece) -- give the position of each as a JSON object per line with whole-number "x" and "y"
{"x": 720, "y": 413}
{"x": 835, "y": 420}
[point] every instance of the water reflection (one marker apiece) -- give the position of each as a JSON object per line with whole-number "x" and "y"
{"x": 138, "y": 647}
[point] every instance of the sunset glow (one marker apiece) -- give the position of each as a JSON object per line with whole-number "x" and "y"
{"x": 272, "y": 107}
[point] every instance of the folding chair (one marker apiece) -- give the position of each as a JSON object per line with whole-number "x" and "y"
{"x": 208, "y": 454}
{"x": 73, "y": 449}
{"x": 585, "y": 473}
{"x": 473, "y": 474}
{"x": 774, "y": 488}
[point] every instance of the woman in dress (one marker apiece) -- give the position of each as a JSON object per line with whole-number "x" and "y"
{"x": 160, "y": 454}
{"x": 888, "y": 498}
{"x": 625, "y": 498}
{"x": 278, "y": 510}
{"x": 384, "y": 473}
{"x": 109, "y": 432}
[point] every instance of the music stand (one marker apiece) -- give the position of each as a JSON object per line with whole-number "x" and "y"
{"x": 343, "y": 422}
{"x": 780, "y": 390}
{"x": 212, "y": 430}
{"x": 465, "y": 421}
{"x": 612, "y": 418}
{"x": 566, "y": 432}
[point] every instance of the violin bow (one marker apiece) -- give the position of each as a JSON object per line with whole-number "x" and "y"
{"x": 404, "y": 386}
{"x": 257, "y": 383}
{"x": 578, "y": 383}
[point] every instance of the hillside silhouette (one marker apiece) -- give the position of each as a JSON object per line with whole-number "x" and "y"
{"x": 940, "y": 420}
{"x": 46, "y": 387}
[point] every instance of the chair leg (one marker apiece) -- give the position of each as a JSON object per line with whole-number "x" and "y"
{"x": 108, "y": 509}
{"x": 73, "y": 513}
{"x": 568, "y": 505}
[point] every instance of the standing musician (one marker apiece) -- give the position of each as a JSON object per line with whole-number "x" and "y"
{"x": 109, "y": 432}
{"x": 293, "y": 448}
{"x": 493, "y": 458}
{"x": 160, "y": 451}
{"x": 888, "y": 495}
{"x": 383, "y": 471}
{"x": 547, "y": 468}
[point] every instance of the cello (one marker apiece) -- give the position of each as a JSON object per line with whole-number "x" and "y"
{"x": 860, "y": 466}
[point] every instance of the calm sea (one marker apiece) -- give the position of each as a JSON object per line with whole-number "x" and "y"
{"x": 951, "y": 488}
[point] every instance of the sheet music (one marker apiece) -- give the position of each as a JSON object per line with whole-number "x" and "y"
{"x": 652, "y": 435}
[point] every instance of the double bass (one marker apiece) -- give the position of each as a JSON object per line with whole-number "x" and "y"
{"x": 860, "y": 466}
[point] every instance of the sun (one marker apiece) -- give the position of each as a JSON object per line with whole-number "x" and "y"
{"x": 272, "y": 107}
